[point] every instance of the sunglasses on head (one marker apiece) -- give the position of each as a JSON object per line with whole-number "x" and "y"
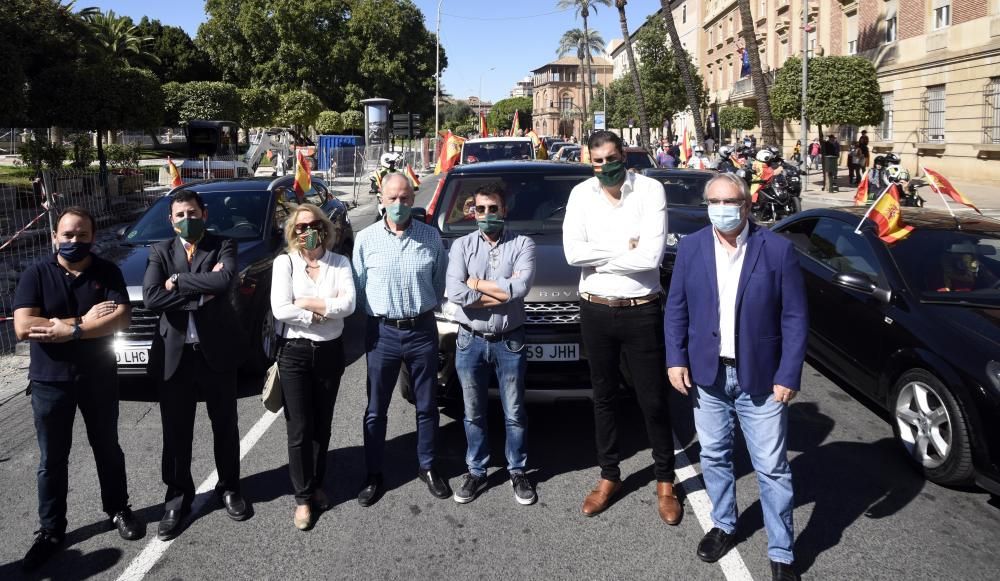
{"x": 492, "y": 208}
{"x": 314, "y": 225}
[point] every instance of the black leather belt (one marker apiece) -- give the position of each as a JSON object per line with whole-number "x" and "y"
{"x": 404, "y": 324}
{"x": 490, "y": 336}
{"x": 728, "y": 361}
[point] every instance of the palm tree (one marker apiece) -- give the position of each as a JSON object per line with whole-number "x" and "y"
{"x": 684, "y": 66}
{"x": 583, "y": 9}
{"x": 582, "y": 44}
{"x": 634, "y": 70}
{"x": 768, "y": 135}
{"x": 116, "y": 39}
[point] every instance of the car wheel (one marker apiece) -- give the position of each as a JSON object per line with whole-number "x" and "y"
{"x": 264, "y": 342}
{"x": 930, "y": 424}
{"x": 794, "y": 205}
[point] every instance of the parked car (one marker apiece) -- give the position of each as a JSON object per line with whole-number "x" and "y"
{"x": 496, "y": 149}
{"x": 566, "y": 153}
{"x": 554, "y": 149}
{"x": 686, "y": 209}
{"x": 913, "y": 326}
{"x": 251, "y": 211}
{"x": 637, "y": 158}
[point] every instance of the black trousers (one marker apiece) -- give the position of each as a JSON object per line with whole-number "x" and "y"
{"x": 310, "y": 378}
{"x": 636, "y": 332}
{"x": 178, "y": 402}
{"x": 54, "y": 406}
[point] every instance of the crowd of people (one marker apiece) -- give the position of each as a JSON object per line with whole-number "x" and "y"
{"x": 702, "y": 337}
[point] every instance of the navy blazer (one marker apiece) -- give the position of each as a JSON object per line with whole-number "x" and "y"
{"x": 771, "y": 312}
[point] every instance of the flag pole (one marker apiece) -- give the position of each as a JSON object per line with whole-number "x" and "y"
{"x": 871, "y": 207}
{"x": 944, "y": 198}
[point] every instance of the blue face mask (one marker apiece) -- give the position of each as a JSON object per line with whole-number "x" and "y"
{"x": 724, "y": 218}
{"x": 74, "y": 251}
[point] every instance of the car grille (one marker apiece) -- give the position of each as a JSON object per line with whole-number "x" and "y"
{"x": 552, "y": 313}
{"x": 144, "y": 323}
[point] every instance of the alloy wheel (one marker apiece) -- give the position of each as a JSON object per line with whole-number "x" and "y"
{"x": 925, "y": 426}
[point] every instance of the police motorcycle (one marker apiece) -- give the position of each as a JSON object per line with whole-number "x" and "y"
{"x": 898, "y": 174}
{"x": 775, "y": 197}
{"x": 389, "y": 162}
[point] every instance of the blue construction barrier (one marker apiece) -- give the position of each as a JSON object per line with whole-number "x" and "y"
{"x": 339, "y": 149}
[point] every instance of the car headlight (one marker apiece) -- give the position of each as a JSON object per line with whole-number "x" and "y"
{"x": 673, "y": 239}
{"x": 993, "y": 373}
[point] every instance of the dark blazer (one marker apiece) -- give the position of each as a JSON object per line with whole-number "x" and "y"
{"x": 220, "y": 334}
{"x": 771, "y": 312}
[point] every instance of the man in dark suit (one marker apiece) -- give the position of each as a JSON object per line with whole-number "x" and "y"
{"x": 736, "y": 325}
{"x": 187, "y": 281}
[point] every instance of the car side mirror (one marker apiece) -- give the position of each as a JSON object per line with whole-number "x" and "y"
{"x": 862, "y": 283}
{"x": 120, "y": 232}
{"x": 419, "y": 214}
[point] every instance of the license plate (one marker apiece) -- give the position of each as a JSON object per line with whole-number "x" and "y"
{"x": 553, "y": 352}
{"x": 132, "y": 356}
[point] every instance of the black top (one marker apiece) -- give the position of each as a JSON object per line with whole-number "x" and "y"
{"x": 48, "y": 286}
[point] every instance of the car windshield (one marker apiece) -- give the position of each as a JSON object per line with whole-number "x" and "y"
{"x": 240, "y": 215}
{"x": 938, "y": 264}
{"x": 684, "y": 190}
{"x": 495, "y": 151}
{"x": 638, "y": 160}
{"x": 535, "y": 202}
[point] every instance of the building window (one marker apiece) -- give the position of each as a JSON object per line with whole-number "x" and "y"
{"x": 991, "y": 115}
{"x": 891, "y": 21}
{"x": 941, "y": 17}
{"x": 852, "y": 33}
{"x": 933, "y": 102}
{"x": 885, "y": 129}
{"x": 567, "y": 103}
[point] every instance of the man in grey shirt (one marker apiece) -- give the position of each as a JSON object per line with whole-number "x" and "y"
{"x": 489, "y": 273}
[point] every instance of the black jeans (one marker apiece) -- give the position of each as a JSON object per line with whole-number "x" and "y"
{"x": 178, "y": 404}
{"x": 310, "y": 378}
{"x": 637, "y": 333}
{"x": 54, "y": 405}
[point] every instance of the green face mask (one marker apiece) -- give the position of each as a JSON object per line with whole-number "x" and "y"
{"x": 612, "y": 173}
{"x": 491, "y": 224}
{"x": 190, "y": 229}
{"x": 312, "y": 239}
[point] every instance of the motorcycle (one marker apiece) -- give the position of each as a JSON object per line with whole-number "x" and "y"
{"x": 776, "y": 200}
{"x": 910, "y": 197}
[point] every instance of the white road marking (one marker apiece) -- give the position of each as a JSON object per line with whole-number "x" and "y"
{"x": 732, "y": 563}
{"x": 155, "y": 549}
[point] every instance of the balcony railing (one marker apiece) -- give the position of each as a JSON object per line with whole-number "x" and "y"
{"x": 743, "y": 88}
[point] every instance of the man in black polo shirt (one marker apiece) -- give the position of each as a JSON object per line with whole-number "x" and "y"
{"x": 69, "y": 306}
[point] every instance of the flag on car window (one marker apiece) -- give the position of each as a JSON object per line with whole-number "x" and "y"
{"x": 887, "y": 215}
{"x": 412, "y": 176}
{"x": 538, "y": 144}
{"x": 515, "y": 127}
{"x": 175, "y": 174}
{"x": 451, "y": 149}
{"x": 303, "y": 177}
{"x": 862, "y": 194}
{"x": 483, "y": 129}
{"x": 942, "y": 186}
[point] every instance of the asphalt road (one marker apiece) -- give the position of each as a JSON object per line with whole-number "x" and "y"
{"x": 861, "y": 511}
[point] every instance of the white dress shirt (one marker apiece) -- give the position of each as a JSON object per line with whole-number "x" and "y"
{"x": 334, "y": 284}
{"x": 597, "y": 232}
{"x": 727, "y": 270}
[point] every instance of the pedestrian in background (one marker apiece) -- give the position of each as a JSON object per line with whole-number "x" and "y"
{"x": 863, "y": 144}
{"x": 490, "y": 271}
{"x": 614, "y": 230}
{"x": 738, "y": 351}
{"x": 400, "y": 266}
{"x": 797, "y": 153}
{"x": 665, "y": 159}
{"x": 815, "y": 156}
{"x": 855, "y": 163}
{"x": 69, "y": 306}
{"x": 312, "y": 292}
{"x": 201, "y": 345}
{"x": 831, "y": 162}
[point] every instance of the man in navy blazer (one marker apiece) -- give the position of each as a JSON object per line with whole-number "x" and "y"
{"x": 736, "y": 325}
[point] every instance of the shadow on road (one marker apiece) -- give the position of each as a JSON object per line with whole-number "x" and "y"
{"x": 71, "y": 565}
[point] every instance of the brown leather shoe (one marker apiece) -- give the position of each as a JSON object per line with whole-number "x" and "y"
{"x": 671, "y": 510}
{"x": 600, "y": 497}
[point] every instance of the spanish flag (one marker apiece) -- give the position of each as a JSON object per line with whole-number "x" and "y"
{"x": 412, "y": 176}
{"x": 303, "y": 177}
{"x": 451, "y": 150}
{"x": 861, "y": 197}
{"x": 175, "y": 174}
{"x": 887, "y": 215}
{"x": 515, "y": 127}
{"x": 944, "y": 187}
{"x": 538, "y": 144}
{"x": 483, "y": 129}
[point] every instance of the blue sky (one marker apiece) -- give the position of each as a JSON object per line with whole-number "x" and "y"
{"x": 512, "y": 37}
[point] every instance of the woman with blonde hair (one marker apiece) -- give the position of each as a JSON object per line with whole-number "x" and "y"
{"x": 312, "y": 292}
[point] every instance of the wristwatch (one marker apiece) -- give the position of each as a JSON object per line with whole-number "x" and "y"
{"x": 173, "y": 278}
{"x": 77, "y": 331}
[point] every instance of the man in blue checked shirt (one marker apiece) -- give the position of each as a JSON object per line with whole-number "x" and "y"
{"x": 400, "y": 265}
{"x": 489, "y": 273}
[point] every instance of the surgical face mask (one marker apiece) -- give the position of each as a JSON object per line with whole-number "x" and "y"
{"x": 724, "y": 218}
{"x": 74, "y": 251}
{"x": 399, "y": 213}
{"x": 491, "y": 223}
{"x": 190, "y": 229}
{"x": 611, "y": 173}
{"x": 310, "y": 239}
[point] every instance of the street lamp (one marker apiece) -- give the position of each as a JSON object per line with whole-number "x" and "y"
{"x": 481, "y": 89}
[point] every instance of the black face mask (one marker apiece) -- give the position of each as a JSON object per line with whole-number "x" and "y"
{"x": 74, "y": 251}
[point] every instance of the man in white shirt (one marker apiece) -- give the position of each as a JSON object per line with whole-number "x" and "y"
{"x": 615, "y": 228}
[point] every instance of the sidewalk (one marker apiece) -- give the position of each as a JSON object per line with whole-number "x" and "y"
{"x": 986, "y": 198}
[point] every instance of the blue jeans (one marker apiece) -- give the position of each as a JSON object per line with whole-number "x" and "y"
{"x": 765, "y": 426}
{"x": 475, "y": 360}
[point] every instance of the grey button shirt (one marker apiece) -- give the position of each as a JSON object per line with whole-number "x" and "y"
{"x": 510, "y": 264}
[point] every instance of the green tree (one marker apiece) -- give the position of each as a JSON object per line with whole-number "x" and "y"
{"x": 353, "y": 120}
{"x": 501, "y": 116}
{"x": 329, "y": 123}
{"x": 174, "y": 96}
{"x": 688, "y": 72}
{"x": 666, "y": 93}
{"x": 117, "y": 40}
{"x": 583, "y": 8}
{"x": 749, "y": 33}
{"x": 299, "y": 110}
{"x": 179, "y": 59}
{"x": 582, "y": 44}
{"x": 208, "y": 100}
{"x": 737, "y": 118}
{"x": 258, "y": 107}
{"x": 841, "y": 90}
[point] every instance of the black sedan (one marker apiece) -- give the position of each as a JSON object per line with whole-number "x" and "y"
{"x": 686, "y": 209}
{"x": 913, "y": 326}
{"x": 251, "y": 211}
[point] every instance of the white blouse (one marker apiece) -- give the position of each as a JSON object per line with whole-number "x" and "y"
{"x": 290, "y": 281}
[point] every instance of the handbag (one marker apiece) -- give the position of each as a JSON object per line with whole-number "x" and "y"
{"x": 271, "y": 395}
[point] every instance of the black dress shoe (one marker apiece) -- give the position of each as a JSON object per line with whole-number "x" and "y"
{"x": 46, "y": 544}
{"x": 236, "y": 506}
{"x": 129, "y": 527}
{"x": 171, "y": 524}
{"x": 437, "y": 485}
{"x": 783, "y": 571}
{"x": 372, "y": 491}
{"x": 715, "y": 544}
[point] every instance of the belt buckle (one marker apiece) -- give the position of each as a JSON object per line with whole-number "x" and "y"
{"x": 405, "y": 324}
